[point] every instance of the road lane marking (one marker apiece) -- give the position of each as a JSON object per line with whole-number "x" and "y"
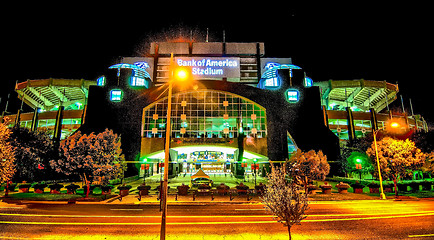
{"x": 421, "y": 235}
{"x": 210, "y": 223}
{"x": 207, "y": 216}
{"x": 74, "y": 216}
{"x": 21, "y": 238}
{"x": 319, "y": 202}
{"x": 368, "y": 218}
{"x": 123, "y": 216}
{"x": 11, "y": 207}
{"x": 127, "y": 209}
{"x": 246, "y": 209}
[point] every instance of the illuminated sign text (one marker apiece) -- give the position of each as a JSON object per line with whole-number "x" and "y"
{"x": 211, "y": 67}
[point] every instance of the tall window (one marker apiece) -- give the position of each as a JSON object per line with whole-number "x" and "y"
{"x": 206, "y": 114}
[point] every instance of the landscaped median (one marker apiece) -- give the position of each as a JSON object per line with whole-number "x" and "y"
{"x": 72, "y": 192}
{"x": 41, "y": 191}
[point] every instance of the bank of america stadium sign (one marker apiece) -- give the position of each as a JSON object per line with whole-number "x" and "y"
{"x": 211, "y": 67}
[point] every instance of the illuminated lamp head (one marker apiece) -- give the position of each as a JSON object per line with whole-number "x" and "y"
{"x": 181, "y": 74}
{"x": 394, "y": 124}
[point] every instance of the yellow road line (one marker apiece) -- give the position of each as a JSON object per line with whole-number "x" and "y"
{"x": 367, "y": 214}
{"x": 368, "y": 218}
{"x": 421, "y": 235}
{"x": 123, "y": 216}
{"x": 205, "y": 216}
{"x": 213, "y": 223}
{"x": 209, "y": 216}
{"x": 21, "y": 238}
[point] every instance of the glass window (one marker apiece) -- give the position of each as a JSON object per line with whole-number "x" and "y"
{"x": 207, "y": 115}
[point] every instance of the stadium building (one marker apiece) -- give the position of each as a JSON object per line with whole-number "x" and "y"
{"x": 240, "y": 108}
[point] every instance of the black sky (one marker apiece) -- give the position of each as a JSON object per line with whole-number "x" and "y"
{"x": 373, "y": 41}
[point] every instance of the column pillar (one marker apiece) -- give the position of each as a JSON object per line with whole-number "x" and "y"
{"x": 18, "y": 117}
{"x": 325, "y": 115}
{"x": 58, "y": 126}
{"x": 35, "y": 120}
{"x": 374, "y": 123}
{"x": 350, "y": 124}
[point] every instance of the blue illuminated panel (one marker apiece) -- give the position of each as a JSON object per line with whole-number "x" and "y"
{"x": 137, "y": 82}
{"x": 292, "y": 95}
{"x": 271, "y": 82}
{"x": 101, "y": 81}
{"x": 116, "y": 95}
{"x": 142, "y": 65}
{"x": 308, "y": 82}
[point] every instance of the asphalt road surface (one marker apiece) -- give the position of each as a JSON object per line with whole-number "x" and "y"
{"x": 326, "y": 220}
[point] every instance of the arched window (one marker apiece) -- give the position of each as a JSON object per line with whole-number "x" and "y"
{"x": 206, "y": 114}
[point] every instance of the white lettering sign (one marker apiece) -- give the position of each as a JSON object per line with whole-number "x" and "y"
{"x": 203, "y": 68}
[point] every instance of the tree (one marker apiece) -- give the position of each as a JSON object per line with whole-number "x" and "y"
{"x": 397, "y": 158}
{"x": 428, "y": 166}
{"x": 283, "y": 198}
{"x": 91, "y": 157}
{"x": 306, "y": 166}
{"x": 33, "y": 151}
{"x": 425, "y": 142}
{"x": 7, "y": 166}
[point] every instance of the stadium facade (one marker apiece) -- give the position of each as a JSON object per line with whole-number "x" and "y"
{"x": 240, "y": 108}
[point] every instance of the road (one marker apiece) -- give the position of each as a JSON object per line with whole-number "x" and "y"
{"x": 327, "y": 220}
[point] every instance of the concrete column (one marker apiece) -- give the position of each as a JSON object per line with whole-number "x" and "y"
{"x": 350, "y": 124}
{"x": 17, "y": 118}
{"x": 58, "y": 126}
{"x": 35, "y": 120}
{"x": 325, "y": 115}
{"x": 374, "y": 123}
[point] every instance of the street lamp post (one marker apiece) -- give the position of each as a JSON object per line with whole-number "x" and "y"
{"x": 383, "y": 196}
{"x": 392, "y": 125}
{"x": 179, "y": 74}
{"x": 166, "y": 163}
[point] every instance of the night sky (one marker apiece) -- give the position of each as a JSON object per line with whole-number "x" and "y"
{"x": 329, "y": 41}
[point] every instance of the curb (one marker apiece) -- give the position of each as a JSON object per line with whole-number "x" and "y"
{"x": 21, "y": 202}
{"x": 114, "y": 201}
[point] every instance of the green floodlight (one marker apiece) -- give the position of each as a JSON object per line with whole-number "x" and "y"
{"x": 254, "y": 159}
{"x": 358, "y": 159}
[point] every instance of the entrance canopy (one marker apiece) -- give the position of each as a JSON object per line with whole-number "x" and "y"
{"x": 187, "y": 153}
{"x": 199, "y": 174}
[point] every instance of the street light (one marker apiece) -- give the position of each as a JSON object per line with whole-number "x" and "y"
{"x": 394, "y": 125}
{"x": 181, "y": 74}
{"x": 176, "y": 74}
